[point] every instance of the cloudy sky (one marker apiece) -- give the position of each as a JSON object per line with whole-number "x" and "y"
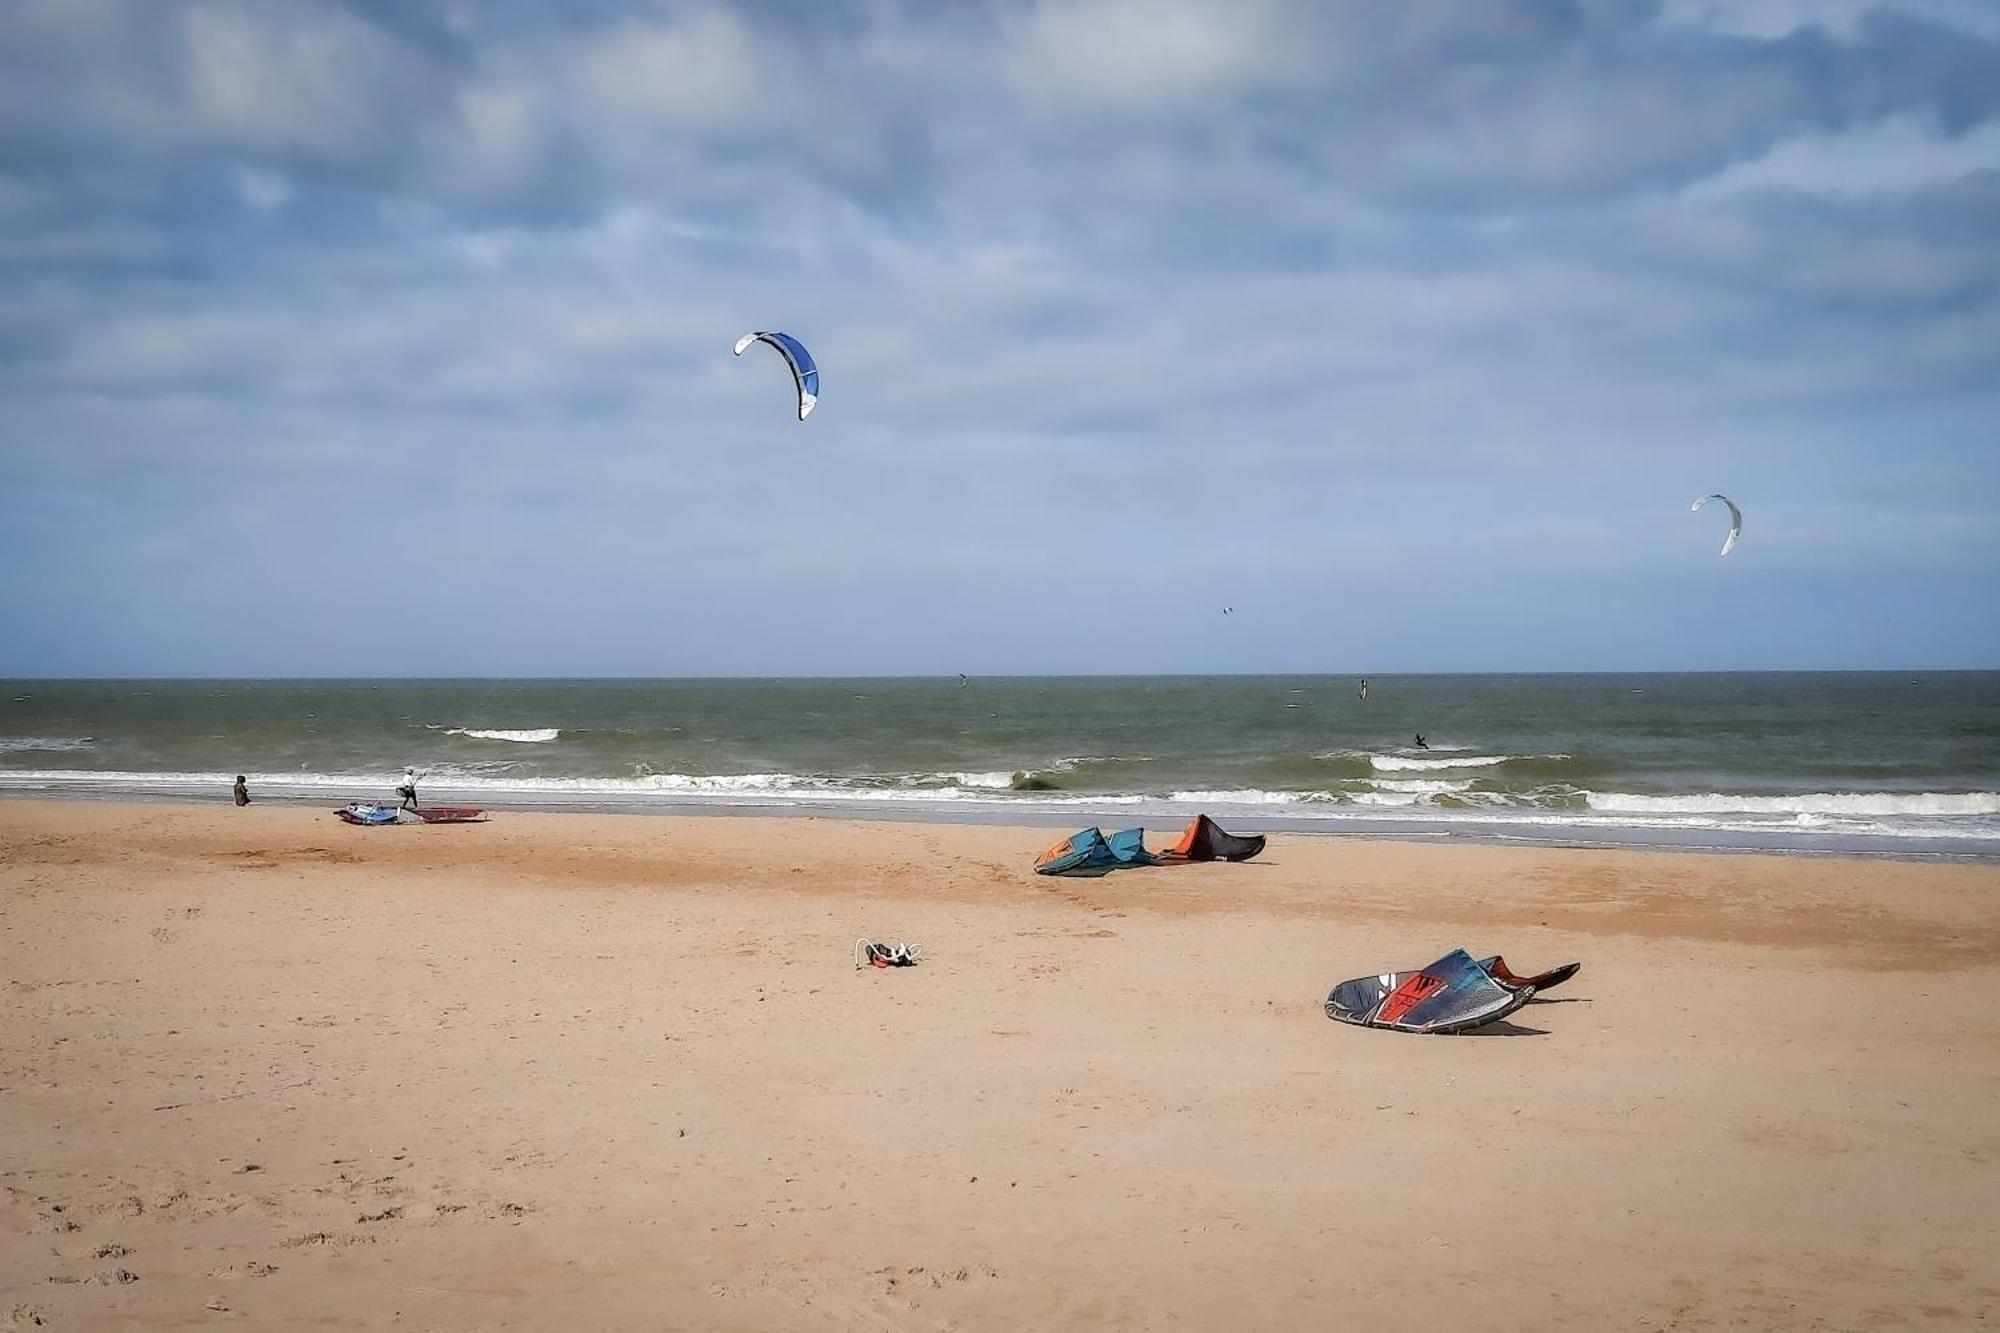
{"x": 389, "y": 337}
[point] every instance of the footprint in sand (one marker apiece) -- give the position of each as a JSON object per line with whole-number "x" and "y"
{"x": 251, "y": 1269}
{"x": 325, "y": 1238}
{"x": 56, "y": 1218}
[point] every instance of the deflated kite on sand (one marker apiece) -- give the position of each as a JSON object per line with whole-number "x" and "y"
{"x": 1454, "y": 994}
{"x": 1092, "y": 852}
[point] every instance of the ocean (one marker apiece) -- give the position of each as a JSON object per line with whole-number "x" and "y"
{"x": 1877, "y": 762}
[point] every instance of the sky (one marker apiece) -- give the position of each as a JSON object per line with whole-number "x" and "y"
{"x": 392, "y": 337}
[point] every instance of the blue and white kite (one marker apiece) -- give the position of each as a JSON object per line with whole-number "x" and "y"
{"x": 804, "y": 372}
{"x": 1735, "y": 520}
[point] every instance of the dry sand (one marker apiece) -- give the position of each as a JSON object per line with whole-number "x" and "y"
{"x": 263, "y": 1070}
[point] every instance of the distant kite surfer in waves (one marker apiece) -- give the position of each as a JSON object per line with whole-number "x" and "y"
{"x": 1363, "y": 691}
{"x": 1422, "y": 744}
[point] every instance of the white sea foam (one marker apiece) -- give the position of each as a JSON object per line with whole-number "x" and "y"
{"x": 1389, "y": 798}
{"x": 1851, "y": 804}
{"x": 44, "y": 744}
{"x": 995, "y": 781}
{"x": 1250, "y": 796}
{"x": 526, "y": 736}
{"x": 1396, "y": 763}
{"x": 1420, "y": 786}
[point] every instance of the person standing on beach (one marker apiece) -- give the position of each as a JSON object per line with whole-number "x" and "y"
{"x": 242, "y": 791}
{"x": 408, "y": 790}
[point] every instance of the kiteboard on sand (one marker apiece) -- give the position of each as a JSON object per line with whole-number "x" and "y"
{"x": 364, "y": 812}
{"x": 451, "y": 814}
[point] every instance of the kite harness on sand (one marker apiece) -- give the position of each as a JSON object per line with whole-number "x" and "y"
{"x": 867, "y": 953}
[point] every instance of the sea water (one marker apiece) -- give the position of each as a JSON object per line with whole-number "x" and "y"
{"x": 1900, "y": 762}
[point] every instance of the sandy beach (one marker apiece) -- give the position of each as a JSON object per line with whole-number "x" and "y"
{"x": 260, "y": 1069}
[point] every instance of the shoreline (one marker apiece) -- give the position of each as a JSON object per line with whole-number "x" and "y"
{"x": 623, "y": 849}
{"x": 1156, "y": 817}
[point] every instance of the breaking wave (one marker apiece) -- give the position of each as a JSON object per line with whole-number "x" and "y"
{"x": 45, "y": 744}
{"x": 1251, "y": 796}
{"x": 1878, "y": 805}
{"x": 1396, "y": 763}
{"x": 527, "y": 736}
{"x": 1422, "y": 786}
{"x": 979, "y": 781}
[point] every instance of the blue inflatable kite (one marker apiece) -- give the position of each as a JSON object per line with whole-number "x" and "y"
{"x": 804, "y": 373}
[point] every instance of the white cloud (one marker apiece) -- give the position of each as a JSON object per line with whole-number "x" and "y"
{"x": 264, "y": 191}
{"x": 1766, "y": 20}
{"x": 292, "y": 76}
{"x": 1139, "y": 51}
{"x": 1899, "y": 154}
{"x": 702, "y": 70}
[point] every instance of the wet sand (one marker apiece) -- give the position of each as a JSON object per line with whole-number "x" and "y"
{"x": 261, "y": 1069}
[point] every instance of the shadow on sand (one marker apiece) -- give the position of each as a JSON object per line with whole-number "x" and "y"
{"x": 1503, "y": 1028}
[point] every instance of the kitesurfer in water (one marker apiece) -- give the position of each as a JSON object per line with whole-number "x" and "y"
{"x": 408, "y": 790}
{"x": 242, "y": 791}
{"x": 1363, "y": 691}
{"x": 1422, "y": 744}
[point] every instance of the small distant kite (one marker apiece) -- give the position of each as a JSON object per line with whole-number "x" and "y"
{"x": 804, "y": 373}
{"x": 1228, "y": 610}
{"x": 1735, "y": 520}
